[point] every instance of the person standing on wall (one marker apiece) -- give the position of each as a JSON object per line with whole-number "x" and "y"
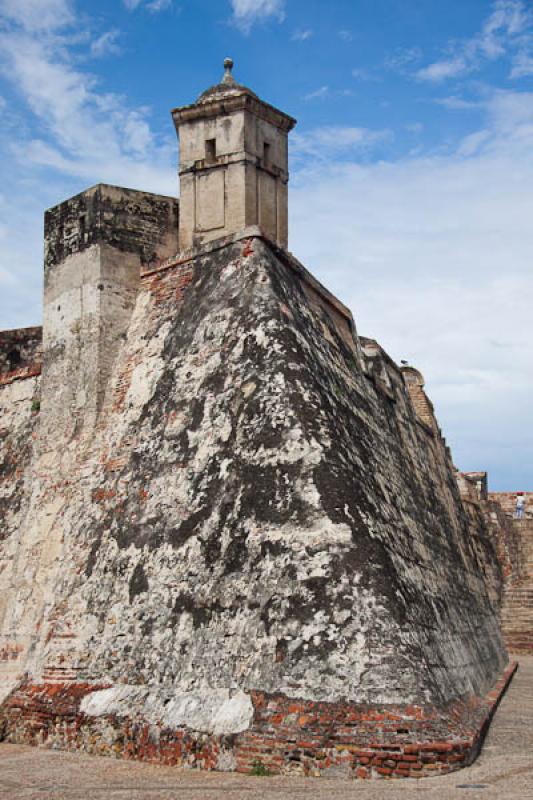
{"x": 520, "y": 504}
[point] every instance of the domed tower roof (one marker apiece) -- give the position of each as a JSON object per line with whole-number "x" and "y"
{"x": 228, "y": 86}
{"x": 228, "y": 96}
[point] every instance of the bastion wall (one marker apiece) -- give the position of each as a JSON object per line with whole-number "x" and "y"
{"x": 247, "y": 514}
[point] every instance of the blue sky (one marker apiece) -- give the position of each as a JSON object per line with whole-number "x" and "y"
{"x": 411, "y": 192}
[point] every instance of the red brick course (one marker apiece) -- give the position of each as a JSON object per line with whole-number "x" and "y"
{"x": 286, "y": 735}
{"x": 169, "y": 282}
{"x": 31, "y": 371}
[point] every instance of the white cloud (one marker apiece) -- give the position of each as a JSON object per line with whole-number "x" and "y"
{"x": 511, "y": 116}
{"x": 302, "y": 35}
{"x": 509, "y": 18}
{"x": 433, "y": 254}
{"x": 442, "y": 70}
{"x": 363, "y": 74}
{"x": 247, "y": 12}
{"x": 86, "y": 132}
{"x": 455, "y": 103}
{"x": 331, "y": 141}
{"x": 473, "y": 143}
{"x": 324, "y": 92}
{"x": 37, "y": 15}
{"x": 507, "y": 30}
{"x": 402, "y": 59}
{"x": 345, "y": 35}
{"x": 318, "y": 94}
{"x": 522, "y": 66}
{"x": 154, "y": 6}
{"x": 158, "y": 5}
{"x": 106, "y": 44}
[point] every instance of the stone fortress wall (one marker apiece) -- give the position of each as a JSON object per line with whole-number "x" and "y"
{"x": 116, "y": 600}
{"x": 232, "y": 529}
{"x": 513, "y": 538}
{"x": 517, "y": 603}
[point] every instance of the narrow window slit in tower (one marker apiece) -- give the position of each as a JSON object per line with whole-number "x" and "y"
{"x": 266, "y": 154}
{"x": 210, "y": 151}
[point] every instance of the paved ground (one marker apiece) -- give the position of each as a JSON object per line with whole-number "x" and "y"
{"x": 504, "y": 770}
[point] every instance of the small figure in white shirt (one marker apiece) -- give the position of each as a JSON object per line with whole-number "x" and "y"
{"x": 520, "y": 505}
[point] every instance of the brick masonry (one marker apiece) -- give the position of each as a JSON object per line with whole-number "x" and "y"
{"x": 286, "y": 735}
{"x": 31, "y": 371}
{"x": 423, "y": 406}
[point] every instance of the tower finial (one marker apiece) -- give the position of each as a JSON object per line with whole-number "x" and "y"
{"x": 228, "y": 66}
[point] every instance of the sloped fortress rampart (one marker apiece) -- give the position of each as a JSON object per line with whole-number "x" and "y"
{"x": 232, "y": 530}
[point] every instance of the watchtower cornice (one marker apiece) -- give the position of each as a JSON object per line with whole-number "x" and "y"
{"x": 221, "y": 104}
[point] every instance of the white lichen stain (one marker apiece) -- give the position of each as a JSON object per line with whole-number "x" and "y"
{"x": 216, "y": 711}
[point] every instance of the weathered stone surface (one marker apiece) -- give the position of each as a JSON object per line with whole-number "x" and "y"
{"x": 254, "y": 510}
{"x": 95, "y": 245}
{"x": 19, "y": 403}
{"x": 139, "y": 223}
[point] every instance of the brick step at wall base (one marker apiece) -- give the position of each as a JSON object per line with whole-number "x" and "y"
{"x": 286, "y": 736}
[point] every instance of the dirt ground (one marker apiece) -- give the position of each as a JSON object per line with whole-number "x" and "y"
{"x": 504, "y": 770}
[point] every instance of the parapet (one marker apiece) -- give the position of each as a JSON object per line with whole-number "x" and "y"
{"x": 414, "y": 380}
{"x": 507, "y": 501}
